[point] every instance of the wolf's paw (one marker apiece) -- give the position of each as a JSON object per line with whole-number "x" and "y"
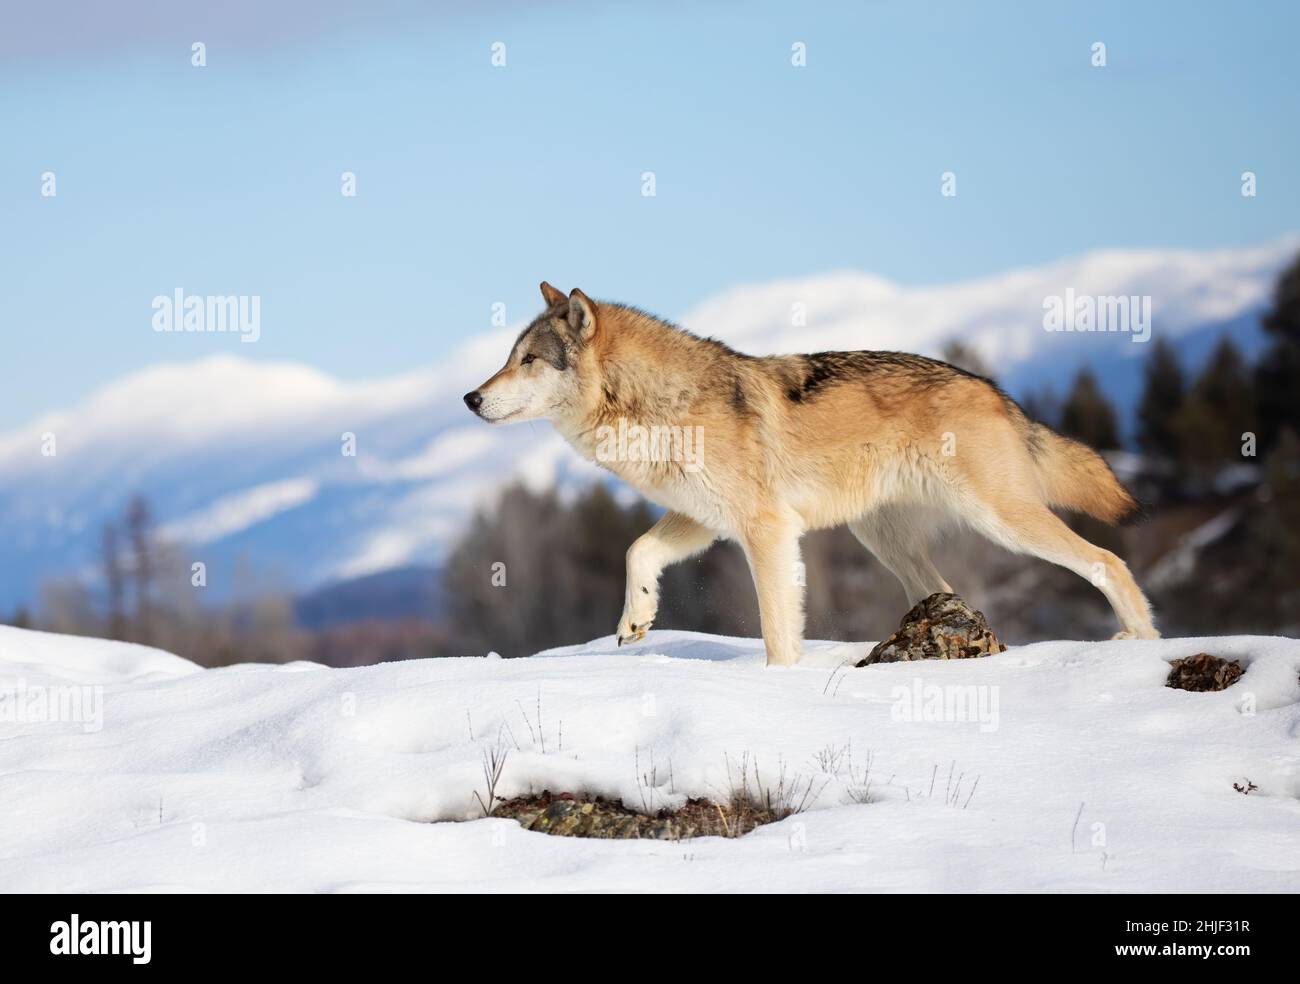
{"x": 639, "y": 610}
{"x": 1142, "y": 634}
{"x": 630, "y": 632}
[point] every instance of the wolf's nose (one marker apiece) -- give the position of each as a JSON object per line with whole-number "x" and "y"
{"x": 474, "y": 400}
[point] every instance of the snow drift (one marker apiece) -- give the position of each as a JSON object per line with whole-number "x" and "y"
{"x": 1092, "y": 775}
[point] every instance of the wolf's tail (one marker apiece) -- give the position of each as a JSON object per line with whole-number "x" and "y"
{"x": 1074, "y": 476}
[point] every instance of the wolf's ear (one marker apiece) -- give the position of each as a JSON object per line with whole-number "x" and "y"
{"x": 552, "y": 297}
{"x": 582, "y": 315}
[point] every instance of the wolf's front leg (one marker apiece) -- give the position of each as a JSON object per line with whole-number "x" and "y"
{"x": 772, "y": 548}
{"x": 675, "y": 537}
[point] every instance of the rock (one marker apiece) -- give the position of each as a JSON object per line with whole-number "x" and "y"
{"x": 563, "y": 815}
{"x": 1203, "y": 672}
{"x": 940, "y": 627}
{"x": 574, "y": 818}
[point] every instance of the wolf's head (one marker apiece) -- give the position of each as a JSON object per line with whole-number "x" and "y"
{"x": 540, "y": 380}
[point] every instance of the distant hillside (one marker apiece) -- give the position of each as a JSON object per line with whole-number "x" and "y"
{"x": 406, "y": 592}
{"x": 244, "y": 463}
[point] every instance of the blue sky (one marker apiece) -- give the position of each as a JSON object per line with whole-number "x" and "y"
{"x": 475, "y": 182}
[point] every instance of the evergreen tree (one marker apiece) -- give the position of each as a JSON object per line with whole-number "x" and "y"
{"x": 1216, "y": 413}
{"x": 1277, "y": 376}
{"x": 1225, "y": 385}
{"x": 1162, "y": 399}
{"x": 1277, "y": 529}
{"x": 1043, "y": 406}
{"x": 963, "y": 356}
{"x": 1088, "y": 416}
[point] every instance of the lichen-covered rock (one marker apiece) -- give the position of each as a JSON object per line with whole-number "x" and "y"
{"x": 574, "y": 818}
{"x": 940, "y": 627}
{"x": 1203, "y": 672}
{"x": 564, "y": 815}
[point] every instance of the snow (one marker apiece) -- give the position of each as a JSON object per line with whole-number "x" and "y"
{"x": 1000, "y": 316}
{"x": 1092, "y": 776}
{"x": 241, "y": 510}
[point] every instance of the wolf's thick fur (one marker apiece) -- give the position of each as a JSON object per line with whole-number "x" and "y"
{"x": 895, "y": 446}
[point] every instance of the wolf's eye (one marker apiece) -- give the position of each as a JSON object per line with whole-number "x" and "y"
{"x": 528, "y": 359}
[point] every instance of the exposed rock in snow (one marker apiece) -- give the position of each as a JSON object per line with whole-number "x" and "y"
{"x": 599, "y": 818}
{"x": 1203, "y": 672}
{"x": 941, "y": 626}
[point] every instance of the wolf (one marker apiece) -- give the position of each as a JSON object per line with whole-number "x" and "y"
{"x": 897, "y": 447}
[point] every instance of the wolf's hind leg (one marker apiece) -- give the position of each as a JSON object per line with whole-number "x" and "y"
{"x": 675, "y": 537}
{"x": 900, "y": 537}
{"x": 1028, "y": 526}
{"x": 771, "y": 545}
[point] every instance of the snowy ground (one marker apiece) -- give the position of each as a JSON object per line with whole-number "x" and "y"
{"x": 302, "y": 778}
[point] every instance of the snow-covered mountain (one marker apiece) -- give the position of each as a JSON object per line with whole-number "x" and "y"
{"x": 1193, "y": 297}
{"x": 242, "y": 459}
